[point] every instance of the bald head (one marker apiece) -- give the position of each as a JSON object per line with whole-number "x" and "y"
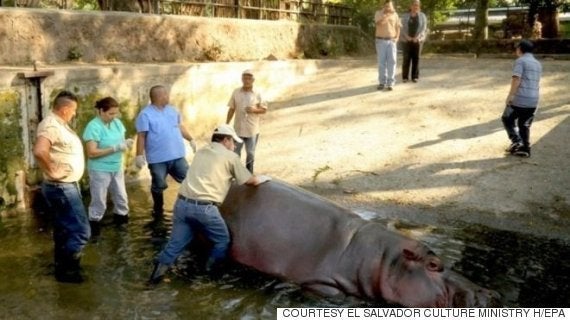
{"x": 159, "y": 96}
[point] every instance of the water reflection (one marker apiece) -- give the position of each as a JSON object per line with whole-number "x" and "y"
{"x": 528, "y": 271}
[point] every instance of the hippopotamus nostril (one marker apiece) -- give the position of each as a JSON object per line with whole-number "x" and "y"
{"x": 434, "y": 264}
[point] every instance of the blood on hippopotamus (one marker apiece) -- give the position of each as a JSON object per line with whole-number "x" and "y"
{"x": 290, "y": 233}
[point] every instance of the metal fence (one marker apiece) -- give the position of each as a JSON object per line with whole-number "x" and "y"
{"x": 296, "y": 10}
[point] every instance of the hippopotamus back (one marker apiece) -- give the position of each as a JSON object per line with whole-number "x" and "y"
{"x": 296, "y": 235}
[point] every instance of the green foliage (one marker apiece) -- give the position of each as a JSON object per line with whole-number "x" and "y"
{"x": 74, "y": 53}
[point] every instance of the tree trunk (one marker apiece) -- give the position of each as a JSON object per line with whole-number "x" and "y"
{"x": 481, "y": 20}
{"x": 550, "y": 22}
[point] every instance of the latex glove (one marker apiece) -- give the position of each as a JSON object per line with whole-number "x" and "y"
{"x": 193, "y": 145}
{"x": 140, "y": 161}
{"x": 263, "y": 179}
{"x": 130, "y": 142}
{"x": 127, "y": 144}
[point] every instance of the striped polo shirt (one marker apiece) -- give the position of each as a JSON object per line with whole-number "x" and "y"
{"x": 529, "y": 70}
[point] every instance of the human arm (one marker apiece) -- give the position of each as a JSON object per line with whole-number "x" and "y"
{"x": 140, "y": 160}
{"x": 515, "y": 83}
{"x": 44, "y": 160}
{"x": 93, "y": 150}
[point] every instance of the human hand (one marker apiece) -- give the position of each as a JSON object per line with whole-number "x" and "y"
{"x": 509, "y": 100}
{"x": 127, "y": 144}
{"x": 140, "y": 161}
{"x": 193, "y": 145}
{"x": 249, "y": 109}
{"x": 130, "y": 142}
{"x": 263, "y": 179}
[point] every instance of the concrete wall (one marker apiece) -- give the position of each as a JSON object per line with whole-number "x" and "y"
{"x": 119, "y": 54}
{"x": 53, "y": 36}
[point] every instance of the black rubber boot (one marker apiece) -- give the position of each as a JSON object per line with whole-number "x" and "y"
{"x": 120, "y": 220}
{"x": 95, "y": 230}
{"x": 158, "y": 273}
{"x": 69, "y": 270}
{"x": 158, "y": 203}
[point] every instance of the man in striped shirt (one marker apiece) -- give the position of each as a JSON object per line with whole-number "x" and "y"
{"x": 522, "y": 100}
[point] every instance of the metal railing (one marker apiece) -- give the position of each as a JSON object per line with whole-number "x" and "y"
{"x": 296, "y": 10}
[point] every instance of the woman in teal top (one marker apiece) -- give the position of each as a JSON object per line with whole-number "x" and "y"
{"x": 105, "y": 143}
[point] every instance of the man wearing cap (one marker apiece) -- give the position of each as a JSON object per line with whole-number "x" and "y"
{"x": 207, "y": 183}
{"x": 248, "y": 106}
{"x": 522, "y": 99}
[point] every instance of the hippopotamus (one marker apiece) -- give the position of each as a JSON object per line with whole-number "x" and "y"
{"x": 295, "y": 235}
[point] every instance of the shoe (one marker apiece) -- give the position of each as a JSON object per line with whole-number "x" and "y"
{"x": 389, "y": 88}
{"x": 523, "y": 152}
{"x": 380, "y": 87}
{"x": 158, "y": 273}
{"x": 513, "y": 147}
{"x": 68, "y": 269}
{"x": 415, "y": 80}
{"x": 95, "y": 230}
{"x": 120, "y": 219}
{"x": 405, "y": 80}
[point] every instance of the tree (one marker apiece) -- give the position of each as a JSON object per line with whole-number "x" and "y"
{"x": 480, "y": 31}
{"x": 147, "y": 6}
{"x": 547, "y": 11}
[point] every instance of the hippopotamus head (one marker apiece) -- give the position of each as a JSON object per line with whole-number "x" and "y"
{"x": 418, "y": 278}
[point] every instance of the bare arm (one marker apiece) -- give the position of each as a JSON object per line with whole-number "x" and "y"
{"x": 94, "y": 152}
{"x": 185, "y": 132}
{"x": 257, "y": 180}
{"x": 141, "y": 140}
{"x": 41, "y": 153}
{"x": 258, "y": 109}
{"x": 515, "y": 83}
{"x": 230, "y": 115}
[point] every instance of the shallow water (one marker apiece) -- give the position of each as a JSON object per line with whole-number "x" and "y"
{"x": 526, "y": 270}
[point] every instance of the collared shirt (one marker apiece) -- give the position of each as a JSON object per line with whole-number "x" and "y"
{"x": 164, "y": 141}
{"x": 106, "y": 136}
{"x": 210, "y": 175}
{"x": 246, "y": 124}
{"x": 529, "y": 70}
{"x": 66, "y": 149}
{"x": 389, "y": 28}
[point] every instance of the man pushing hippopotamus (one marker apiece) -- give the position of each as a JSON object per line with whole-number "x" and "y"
{"x": 295, "y": 235}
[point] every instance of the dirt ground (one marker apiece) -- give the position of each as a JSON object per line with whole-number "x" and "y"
{"x": 429, "y": 152}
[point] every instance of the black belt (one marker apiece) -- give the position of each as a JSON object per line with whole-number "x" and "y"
{"x": 57, "y": 183}
{"x": 382, "y": 38}
{"x": 197, "y": 202}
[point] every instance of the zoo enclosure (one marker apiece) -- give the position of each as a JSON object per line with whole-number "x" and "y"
{"x": 296, "y": 10}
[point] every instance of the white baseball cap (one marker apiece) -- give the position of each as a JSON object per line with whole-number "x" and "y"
{"x": 247, "y": 71}
{"x": 227, "y": 130}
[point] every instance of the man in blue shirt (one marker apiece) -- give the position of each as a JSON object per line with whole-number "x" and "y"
{"x": 522, "y": 100}
{"x": 159, "y": 142}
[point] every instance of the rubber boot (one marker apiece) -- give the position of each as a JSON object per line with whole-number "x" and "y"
{"x": 158, "y": 200}
{"x": 69, "y": 270}
{"x": 158, "y": 273}
{"x": 95, "y": 230}
{"x": 120, "y": 220}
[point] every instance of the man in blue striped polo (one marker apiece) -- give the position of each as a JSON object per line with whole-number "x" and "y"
{"x": 522, "y": 100}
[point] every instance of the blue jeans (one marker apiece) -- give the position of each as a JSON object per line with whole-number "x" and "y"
{"x": 188, "y": 218}
{"x": 71, "y": 227}
{"x": 523, "y": 117}
{"x": 386, "y": 52}
{"x": 176, "y": 168}
{"x": 250, "y": 144}
{"x": 102, "y": 183}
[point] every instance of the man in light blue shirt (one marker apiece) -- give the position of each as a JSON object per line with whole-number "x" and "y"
{"x": 159, "y": 142}
{"x": 522, "y": 100}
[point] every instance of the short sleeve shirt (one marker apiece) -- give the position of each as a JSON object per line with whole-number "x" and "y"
{"x": 246, "y": 124}
{"x": 529, "y": 70}
{"x": 66, "y": 149}
{"x": 211, "y": 173}
{"x": 389, "y": 28}
{"x": 106, "y": 136}
{"x": 164, "y": 140}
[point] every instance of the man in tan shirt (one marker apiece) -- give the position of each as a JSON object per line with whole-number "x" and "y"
{"x": 248, "y": 106}
{"x": 59, "y": 154}
{"x": 387, "y": 34}
{"x": 207, "y": 183}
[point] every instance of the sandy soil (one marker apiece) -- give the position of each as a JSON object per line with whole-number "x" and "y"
{"x": 431, "y": 152}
